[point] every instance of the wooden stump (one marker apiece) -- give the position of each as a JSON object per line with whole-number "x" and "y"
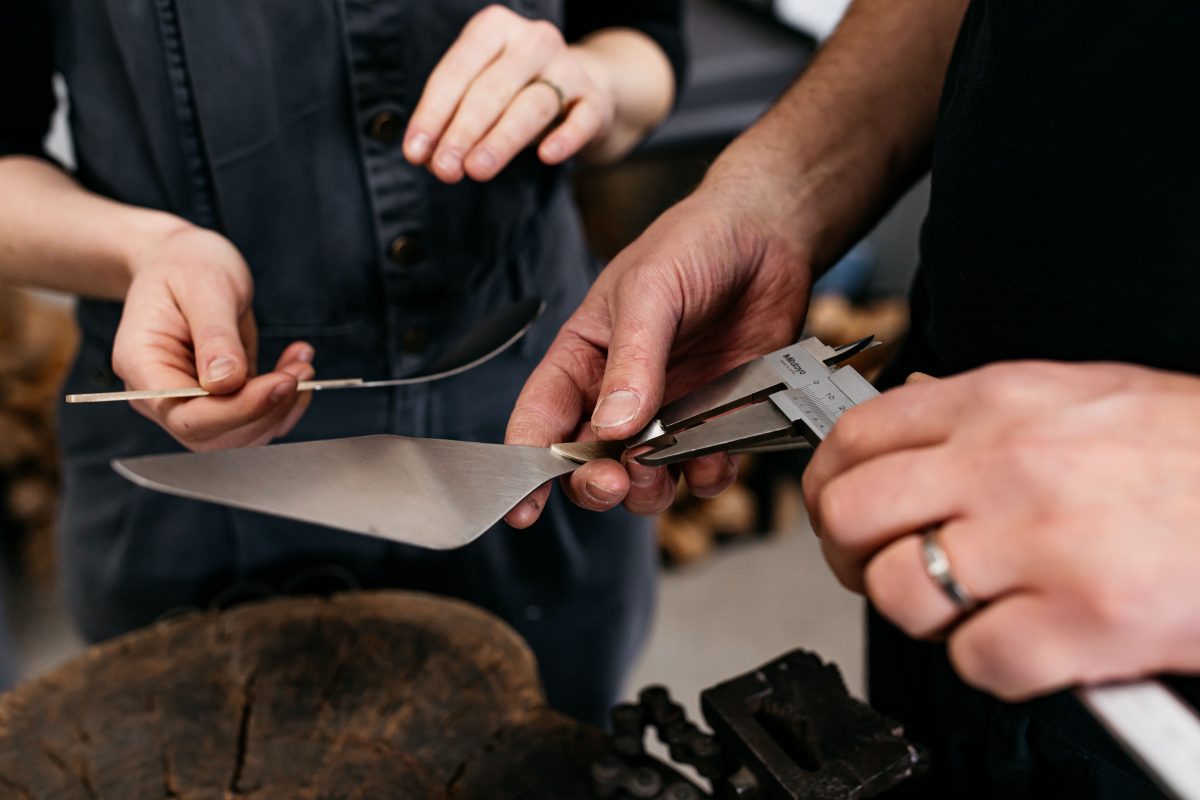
{"x": 369, "y": 695}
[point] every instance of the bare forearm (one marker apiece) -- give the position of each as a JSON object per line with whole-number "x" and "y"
{"x": 641, "y": 81}
{"x": 55, "y": 234}
{"x": 853, "y": 132}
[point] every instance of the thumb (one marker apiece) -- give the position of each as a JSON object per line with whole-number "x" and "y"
{"x": 643, "y": 332}
{"x": 213, "y": 312}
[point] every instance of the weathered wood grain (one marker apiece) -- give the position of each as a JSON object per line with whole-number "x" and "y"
{"x": 369, "y": 695}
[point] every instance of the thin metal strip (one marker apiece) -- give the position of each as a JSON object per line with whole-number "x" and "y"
{"x": 196, "y": 391}
{"x": 1156, "y": 726}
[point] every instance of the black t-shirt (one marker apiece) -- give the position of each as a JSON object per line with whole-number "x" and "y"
{"x": 1064, "y": 224}
{"x": 1065, "y": 214}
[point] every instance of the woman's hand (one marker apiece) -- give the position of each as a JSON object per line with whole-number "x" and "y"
{"x": 509, "y": 81}
{"x": 187, "y": 322}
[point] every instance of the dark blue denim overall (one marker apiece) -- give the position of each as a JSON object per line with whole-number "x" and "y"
{"x": 277, "y": 123}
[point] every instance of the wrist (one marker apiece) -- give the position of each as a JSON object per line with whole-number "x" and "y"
{"x": 630, "y": 70}
{"x": 770, "y": 206}
{"x": 147, "y": 234}
{"x": 174, "y": 254}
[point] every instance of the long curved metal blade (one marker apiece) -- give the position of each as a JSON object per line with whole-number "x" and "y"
{"x": 489, "y": 338}
{"x": 432, "y": 493}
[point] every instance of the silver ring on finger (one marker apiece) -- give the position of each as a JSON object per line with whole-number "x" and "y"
{"x": 937, "y": 565}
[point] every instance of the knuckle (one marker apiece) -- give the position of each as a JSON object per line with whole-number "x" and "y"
{"x": 851, "y": 433}
{"x": 212, "y": 334}
{"x": 844, "y": 568}
{"x": 1114, "y": 608}
{"x": 503, "y": 142}
{"x": 1038, "y": 666}
{"x": 835, "y": 506}
{"x": 631, "y": 356}
{"x": 186, "y": 431}
{"x": 1018, "y": 457}
{"x": 430, "y": 116}
{"x": 530, "y": 428}
{"x": 994, "y": 662}
{"x": 464, "y": 130}
{"x": 809, "y": 484}
{"x": 971, "y": 658}
{"x": 120, "y": 365}
{"x": 1016, "y": 384}
{"x": 492, "y": 15}
{"x": 545, "y": 34}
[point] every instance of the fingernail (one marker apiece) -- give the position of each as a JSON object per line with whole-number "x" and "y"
{"x": 553, "y": 149}
{"x": 641, "y": 476}
{"x": 484, "y": 159}
{"x": 418, "y": 146}
{"x": 220, "y": 368}
{"x": 306, "y": 355}
{"x": 604, "y": 495}
{"x": 525, "y": 512}
{"x": 616, "y": 409}
{"x": 281, "y": 391}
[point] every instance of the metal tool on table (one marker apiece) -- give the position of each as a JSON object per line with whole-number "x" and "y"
{"x": 485, "y": 340}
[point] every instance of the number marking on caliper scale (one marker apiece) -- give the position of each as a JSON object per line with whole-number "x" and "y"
{"x": 813, "y": 397}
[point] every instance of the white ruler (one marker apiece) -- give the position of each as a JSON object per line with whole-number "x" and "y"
{"x": 1156, "y": 726}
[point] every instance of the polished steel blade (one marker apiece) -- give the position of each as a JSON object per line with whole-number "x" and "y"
{"x": 428, "y": 492}
{"x": 738, "y": 429}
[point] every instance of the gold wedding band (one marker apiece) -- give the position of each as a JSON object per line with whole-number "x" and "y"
{"x": 937, "y": 565}
{"x": 562, "y": 96}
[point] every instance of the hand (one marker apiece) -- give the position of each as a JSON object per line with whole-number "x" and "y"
{"x": 187, "y": 322}
{"x": 1068, "y": 504}
{"x": 486, "y": 100}
{"x": 706, "y": 288}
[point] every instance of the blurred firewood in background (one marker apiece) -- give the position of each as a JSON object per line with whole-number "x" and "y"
{"x": 37, "y": 341}
{"x": 692, "y": 527}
